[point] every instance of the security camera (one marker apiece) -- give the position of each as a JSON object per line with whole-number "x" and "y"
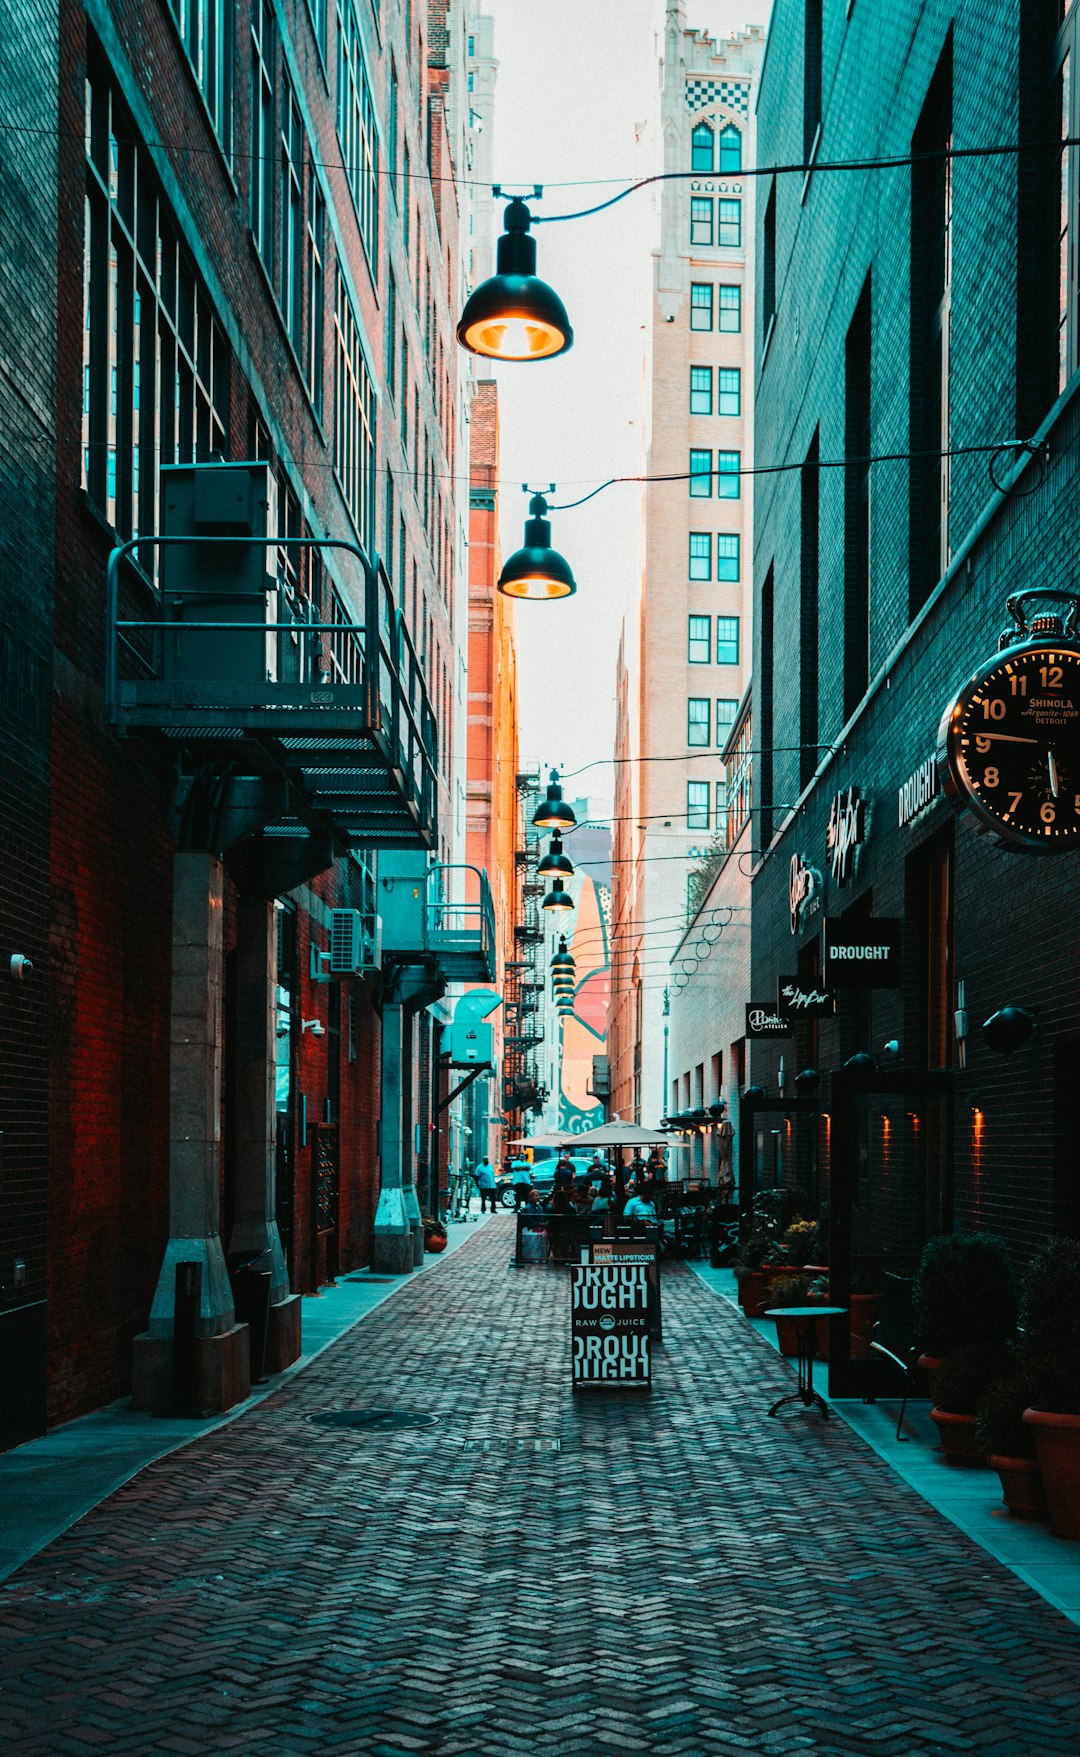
{"x": 21, "y": 967}
{"x": 315, "y": 1026}
{"x": 891, "y": 1050}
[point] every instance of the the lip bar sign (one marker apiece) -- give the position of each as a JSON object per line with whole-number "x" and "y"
{"x": 609, "y": 1326}
{"x": 864, "y": 954}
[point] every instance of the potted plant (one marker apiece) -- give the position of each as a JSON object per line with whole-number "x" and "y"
{"x": 788, "y": 1290}
{"x": 760, "y": 1255}
{"x": 1050, "y": 1352}
{"x": 1009, "y": 1443}
{"x": 965, "y": 1297}
{"x": 961, "y": 1384}
{"x": 435, "y": 1237}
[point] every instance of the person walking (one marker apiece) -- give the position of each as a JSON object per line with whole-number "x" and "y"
{"x": 484, "y": 1178}
{"x": 521, "y": 1180}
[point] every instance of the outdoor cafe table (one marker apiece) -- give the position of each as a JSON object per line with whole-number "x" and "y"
{"x": 805, "y": 1320}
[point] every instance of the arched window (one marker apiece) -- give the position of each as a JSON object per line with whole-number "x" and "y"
{"x": 730, "y": 151}
{"x": 701, "y": 148}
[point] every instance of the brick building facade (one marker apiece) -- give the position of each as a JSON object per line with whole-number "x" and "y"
{"x": 912, "y": 310}
{"x": 240, "y": 236}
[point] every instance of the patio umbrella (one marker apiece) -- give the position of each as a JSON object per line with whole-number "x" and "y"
{"x": 537, "y": 1141}
{"x": 619, "y": 1134}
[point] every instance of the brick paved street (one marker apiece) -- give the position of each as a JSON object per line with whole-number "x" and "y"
{"x": 684, "y": 1576}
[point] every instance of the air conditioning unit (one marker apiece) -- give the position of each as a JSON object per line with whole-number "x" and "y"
{"x": 355, "y": 942}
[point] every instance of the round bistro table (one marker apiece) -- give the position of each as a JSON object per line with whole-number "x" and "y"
{"x": 805, "y": 1331}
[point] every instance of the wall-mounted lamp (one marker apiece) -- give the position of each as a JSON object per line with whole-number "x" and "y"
{"x": 806, "y": 1082}
{"x": 315, "y": 1026}
{"x": 1008, "y": 1029}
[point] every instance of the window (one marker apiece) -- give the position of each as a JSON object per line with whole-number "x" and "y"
{"x": 392, "y": 129}
{"x": 701, "y": 475}
{"x": 354, "y": 415}
{"x": 765, "y": 693}
{"x": 721, "y": 805}
{"x": 728, "y": 465}
{"x": 701, "y": 219}
{"x": 701, "y": 300}
{"x": 697, "y": 805}
{"x": 730, "y": 151}
{"x": 356, "y": 128}
{"x": 291, "y": 258}
{"x": 317, "y": 10}
{"x": 390, "y": 348}
{"x": 701, "y": 148}
{"x": 809, "y": 612}
{"x": 726, "y": 709}
{"x": 768, "y": 266}
{"x": 729, "y": 309}
{"x": 857, "y": 504}
{"x": 727, "y": 557}
{"x": 262, "y": 131}
{"x": 729, "y": 391}
{"x": 206, "y": 29}
{"x": 727, "y": 640}
{"x": 811, "y": 75}
{"x": 697, "y": 722}
{"x": 699, "y": 640}
{"x": 931, "y": 302}
{"x": 701, "y": 390}
{"x": 316, "y": 228}
{"x": 728, "y": 224}
{"x": 155, "y": 363}
{"x": 701, "y": 555}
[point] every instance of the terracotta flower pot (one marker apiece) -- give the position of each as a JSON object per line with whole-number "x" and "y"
{"x": 787, "y": 1334}
{"x": 1021, "y": 1486}
{"x": 1057, "y": 1442}
{"x": 752, "y": 1293}
{"x": 435, "y": 1242}
{"x": 931, "y": 1365}
{"x": 957, "y": 1436}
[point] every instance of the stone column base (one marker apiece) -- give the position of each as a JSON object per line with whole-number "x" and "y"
{"x": 224, "y": 1371}
{"x": 283, "y": 1334}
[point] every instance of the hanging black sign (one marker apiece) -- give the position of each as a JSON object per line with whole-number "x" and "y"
{"x": 800, "y": 998}
{"x": 863, "y": 954}
{"x": 763, "y": 1019}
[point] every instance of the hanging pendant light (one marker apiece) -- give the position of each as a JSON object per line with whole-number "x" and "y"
{"x": 563, "y": 984}
{"x": 557, "y": 898}
{"x": 514, "y": 315}
{"x": 554, "y": 813}
{"x": 562, "y": 959}
{"x": 555, "y": 860}
{"x": 537, "y": 571}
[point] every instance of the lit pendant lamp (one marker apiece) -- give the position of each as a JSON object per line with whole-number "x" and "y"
{"x": 537, "y": 571}
{"x": 554, "y": 814}
{"x": 555, "y": 861}
{"x": 562, "y": 984}
{"x": 514, "y": 315}
{"x": 563, "y": 960}
{"x": 557, "y": 898}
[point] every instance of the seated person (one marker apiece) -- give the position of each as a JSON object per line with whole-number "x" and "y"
{"x": 564, "y": 1174}
{"x": 601, "y": 1202}
{"x": 641, "y": 1206}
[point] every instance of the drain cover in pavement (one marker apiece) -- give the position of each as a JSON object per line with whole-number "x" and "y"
{"x": 513, "y": 1446}
{"x": 380, "y": 1421}
{"x": 372, "y": 1280}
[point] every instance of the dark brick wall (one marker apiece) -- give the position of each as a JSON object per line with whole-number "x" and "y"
{"x": 27, "y": 376}
{"x": 1014, "y": 917}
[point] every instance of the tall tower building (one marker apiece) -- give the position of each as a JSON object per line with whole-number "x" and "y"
{"x": 693, "y": 636}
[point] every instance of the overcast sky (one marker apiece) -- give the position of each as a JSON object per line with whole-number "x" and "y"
{"x": 577, "y": 98}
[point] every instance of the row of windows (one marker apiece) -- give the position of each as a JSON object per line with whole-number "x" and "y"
{"x": 728, "y": 303}
{"x": 699, "y": 797}
{"x": 699, "y": 640}
{"x": 728, "y": 390}
{"x": 727, "y": 556}
{"x": 727, "y": 468}
{"x": 703, "y": 150}
{"x": 699, "y": 720}
{"x": 716, "y": 222}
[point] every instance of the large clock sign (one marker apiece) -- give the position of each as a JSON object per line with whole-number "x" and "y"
{"x": 1009, "y": 744}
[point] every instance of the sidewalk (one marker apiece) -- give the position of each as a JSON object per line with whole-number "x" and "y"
{"x": 526, "y": 1572}
{"x": 47, "y": 1485}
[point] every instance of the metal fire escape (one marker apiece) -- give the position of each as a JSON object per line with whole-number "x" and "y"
{"x": 524, "y": 974}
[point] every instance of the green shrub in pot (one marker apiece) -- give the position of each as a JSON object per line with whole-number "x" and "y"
{"x": 1050, "y": 1327}
{"x": 965, "y": 1294}
{"x": 965, "y": 1377}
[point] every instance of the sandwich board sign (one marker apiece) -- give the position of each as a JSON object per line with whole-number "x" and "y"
{"x": 609, "y": 1327}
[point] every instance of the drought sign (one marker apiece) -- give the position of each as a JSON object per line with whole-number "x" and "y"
{"x": 609, "y": 1326}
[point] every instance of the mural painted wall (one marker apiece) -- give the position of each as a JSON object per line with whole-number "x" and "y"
{"x": 584, "y": 1031}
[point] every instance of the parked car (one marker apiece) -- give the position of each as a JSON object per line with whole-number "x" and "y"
{"x": 543, "y": 1176}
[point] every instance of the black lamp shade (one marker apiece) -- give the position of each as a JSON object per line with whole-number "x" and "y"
{"x": 515, "y": 315}
{"x": 557, "y": 898}
{"x": 554, "y": 814}
{"x": 537, "y": 571}
{"x": 555, "y": 860}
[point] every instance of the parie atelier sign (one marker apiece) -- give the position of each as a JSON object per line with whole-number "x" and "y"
{"x": 864, "y": 954}
{"x": 765, "y": 1020}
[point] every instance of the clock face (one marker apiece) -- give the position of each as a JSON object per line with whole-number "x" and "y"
{"x": 1010, "y": 747}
